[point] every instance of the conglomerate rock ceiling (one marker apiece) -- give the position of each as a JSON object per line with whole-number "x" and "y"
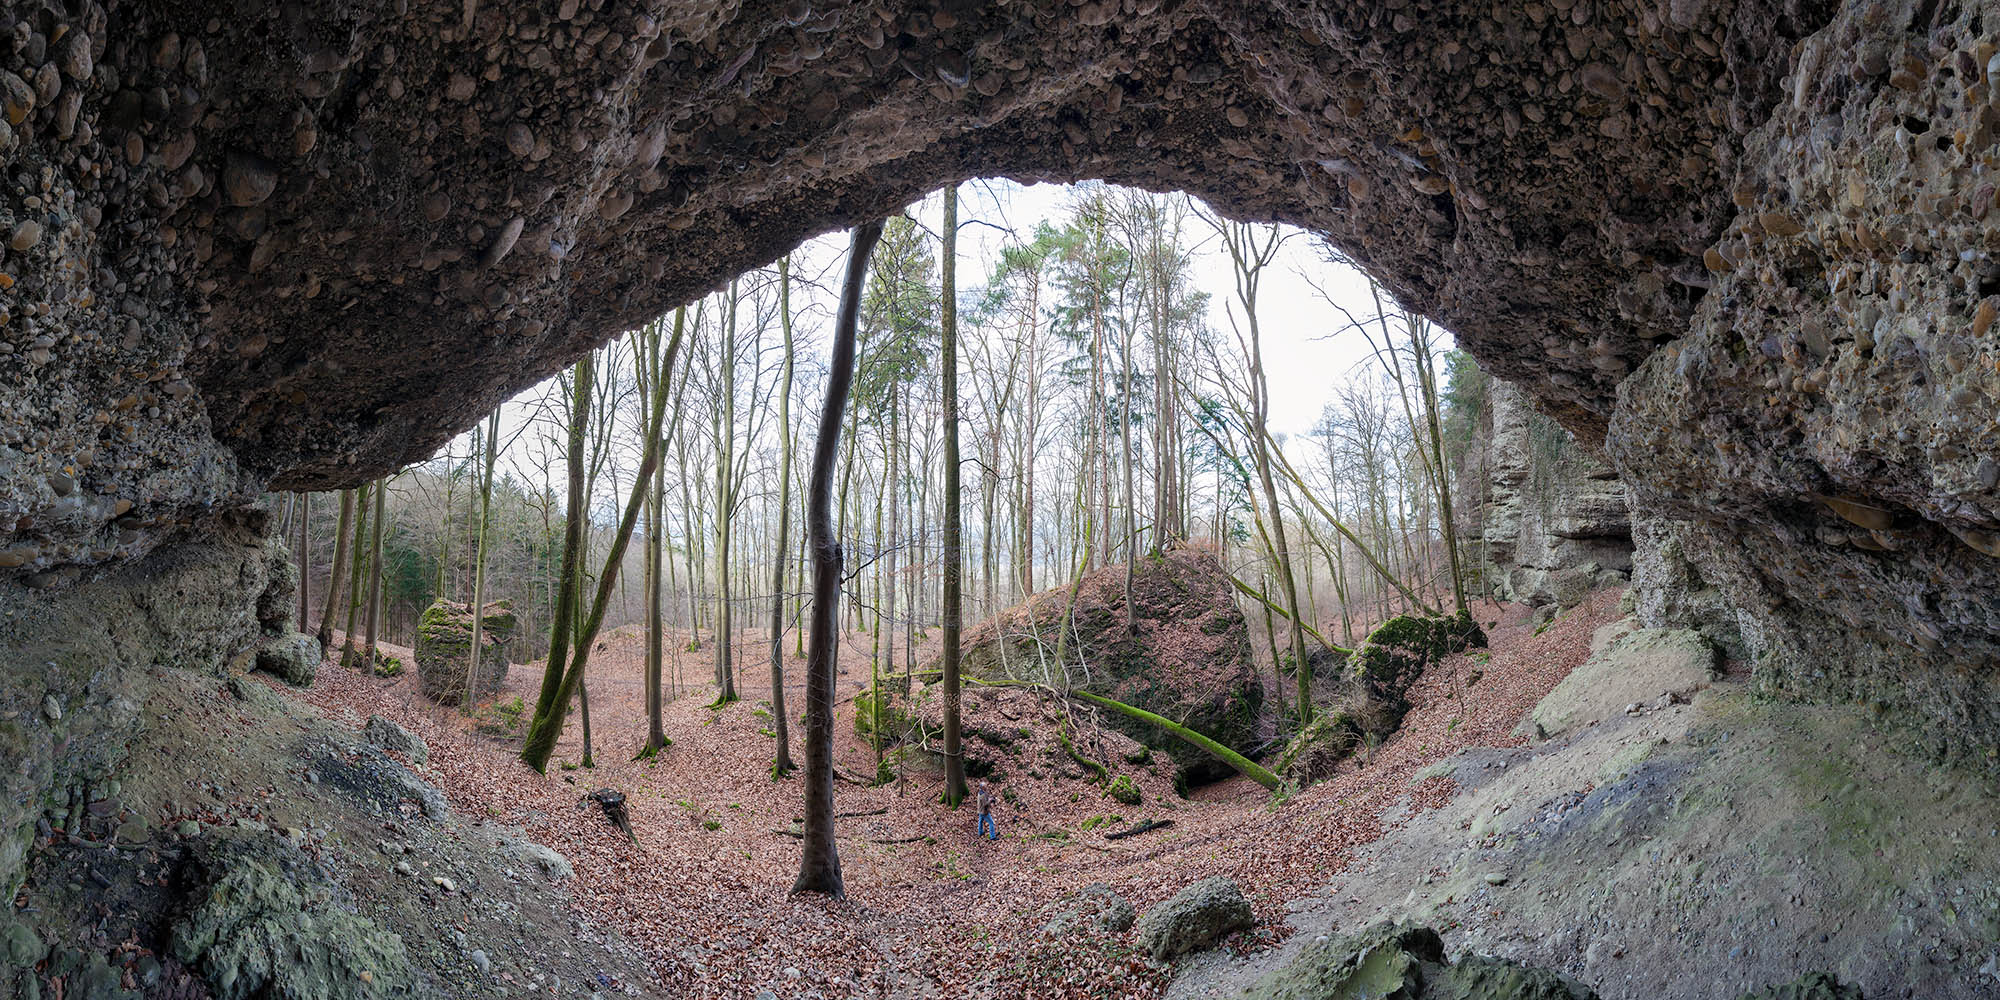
{"x": 300, "y": 244}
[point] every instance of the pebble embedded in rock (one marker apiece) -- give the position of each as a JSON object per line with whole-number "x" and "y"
{"x": 248, "y": 179}
{"x": 1496, "y": 878}
{"x": 26, "y": 234}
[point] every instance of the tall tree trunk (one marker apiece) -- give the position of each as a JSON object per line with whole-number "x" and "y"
{"x": 547, "y": 725}
{"x": 355, "y": 576}
{"x": 369, "y": 660}
{"x": 725, "y": 511}
{"x": 781, "y": 764}
{"x": 479, "y": 563}
{"x": 305, "y": 560}
{"x": 1250, "y": 258}
{"x": 340, "y": 554}
{"x": 819, "y": 866}
{"x": 656, "y": 734}
{"x": 954, "y": 759}
{"x": 576, "y": 520}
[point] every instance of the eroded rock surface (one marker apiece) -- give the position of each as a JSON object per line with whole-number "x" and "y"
{"x": 299, "y": 245}
{"x": 1554, "y": 519}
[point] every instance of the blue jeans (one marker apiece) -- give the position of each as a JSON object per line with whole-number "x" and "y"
{"x": 986, "y": 828}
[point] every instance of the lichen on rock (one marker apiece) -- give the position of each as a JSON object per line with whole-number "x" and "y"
{"x": 444, "y": 650}
{"x": 1194, "y": 918}
{"x": 261, "y": 921}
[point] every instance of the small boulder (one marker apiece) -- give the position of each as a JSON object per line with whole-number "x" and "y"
{"x": 545, "y": 859}
{"x": 390, "y": 736}
{"x": 1195, "y": 918}
{"x": 293, "y": 658}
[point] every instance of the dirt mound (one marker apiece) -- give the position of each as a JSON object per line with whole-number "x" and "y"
{"x": 1185, "y": 656}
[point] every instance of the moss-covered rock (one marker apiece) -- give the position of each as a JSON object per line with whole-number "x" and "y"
{"x": 1318, "y": 748}
{"x": 444, "y": 649}
{"x": 884, "y": 709}
{"x": 262, "y": 921}
{"x": 1812, "y": 986}
{"x": 1389, "y": 961}
{"x": 1123, "y": 789}
{"x": 1186, "y": 656}
{"x": 1398, "y": 651}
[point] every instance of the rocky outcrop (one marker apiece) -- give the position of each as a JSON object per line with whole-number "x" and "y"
{"x": 301, "y": 245}
{"x": 261, "y": 920}
{"x": 72, "y": 659}
{"x": 1396, "y": 960}
{"x": 1194, "y": 918}
{"x": 1369, "y": 692}
{"x": 1554, "y": 523}
{"x": 444, "y": 650}
{"x": 1186, "y": 656}
{"x": 1629, "y": 670}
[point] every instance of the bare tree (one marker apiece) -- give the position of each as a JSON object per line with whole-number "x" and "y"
{"x": 819, "y": 866}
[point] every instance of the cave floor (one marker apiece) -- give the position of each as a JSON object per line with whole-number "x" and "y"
{"x": 931, "y": 911}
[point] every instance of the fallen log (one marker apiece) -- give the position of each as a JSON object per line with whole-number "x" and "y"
{"x": 1139, "y": 828}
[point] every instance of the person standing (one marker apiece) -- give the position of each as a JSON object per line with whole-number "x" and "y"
{"x": 986, "y": 828}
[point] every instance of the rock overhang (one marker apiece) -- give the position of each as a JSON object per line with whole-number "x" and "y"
{"x": 299, "y": 246}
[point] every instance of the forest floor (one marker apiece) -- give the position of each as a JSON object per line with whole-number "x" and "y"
{"x": 931, "y": 910}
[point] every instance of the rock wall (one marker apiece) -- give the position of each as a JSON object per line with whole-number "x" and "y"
{"x": 1822, "y": 445}
{"x": 297, "y": 245}
{"x": 71, "y": 659}
{"x": 1554, "y": 524}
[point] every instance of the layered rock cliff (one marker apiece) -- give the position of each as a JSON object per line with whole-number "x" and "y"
{"x": 1747, "y": 246}
{"x": 1553, "y": 521}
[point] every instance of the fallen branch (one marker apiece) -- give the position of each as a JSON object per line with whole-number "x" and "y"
{"x": 1242, "y": 764}
{"x": 1139, "y": 828}
{"x": 1254, "y": 594}
{"x": 864, "y": 812}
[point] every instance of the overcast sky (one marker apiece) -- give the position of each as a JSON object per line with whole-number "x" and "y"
{"x": 1305, "y": 351}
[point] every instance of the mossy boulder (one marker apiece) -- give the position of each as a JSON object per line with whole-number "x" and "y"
{"x": 261, "y": 920}
{"x": 1186, "y": 655}
{"x": 1123, "y": 789}
{"x": 444, "y": 649}
{"x": 1371, "y": 691}
{"x": 1318, "y": 748}
{"x": 1407, "y": 963}
{"x": 887, "y": 709}
{"x": 1393, "y": 656}
{"x": 1812, "y": 986}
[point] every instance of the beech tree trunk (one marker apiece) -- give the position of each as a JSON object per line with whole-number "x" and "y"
{"x": 479, "y": 562}
{"x": 954, "y": 758}
{"x": 375, "y": 572}
{"x": 355, "y": 576}
{"x": 819, "y": 865}
{"x": 782, "y": 764}
{"x": 340, "y": 555}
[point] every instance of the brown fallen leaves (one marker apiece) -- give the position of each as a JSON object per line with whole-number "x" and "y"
{"x": 704, "y": 892}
